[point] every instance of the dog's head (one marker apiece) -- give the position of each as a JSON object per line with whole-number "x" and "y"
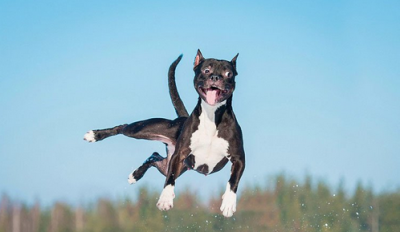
{"x": 214, "y": 80}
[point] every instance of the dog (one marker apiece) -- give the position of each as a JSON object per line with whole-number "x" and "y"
{"x": 204, "y": 141}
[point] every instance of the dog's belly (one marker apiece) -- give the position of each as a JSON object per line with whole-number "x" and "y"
{"x": 208, "y": 149}
{"x": 207, "y": 154}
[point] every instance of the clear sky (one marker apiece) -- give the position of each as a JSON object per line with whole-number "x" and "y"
{"x": 318, "y": 90}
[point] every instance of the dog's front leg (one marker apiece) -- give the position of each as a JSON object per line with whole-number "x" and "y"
{"x": 228, "y": 206}
{"x": 176, "y": 168}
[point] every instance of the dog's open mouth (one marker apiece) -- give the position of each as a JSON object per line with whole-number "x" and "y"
{"x": 213, "y": 94}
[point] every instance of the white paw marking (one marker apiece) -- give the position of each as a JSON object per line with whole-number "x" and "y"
{"x": 131, "y": 179}
{"x": 89, "y": 136}
{"x": 166, "y": 198}
{"x": 228, "y": 206}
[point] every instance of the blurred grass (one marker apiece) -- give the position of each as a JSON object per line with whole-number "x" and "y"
{"x": 284, "y": 205}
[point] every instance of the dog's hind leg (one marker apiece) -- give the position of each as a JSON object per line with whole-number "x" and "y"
{"x": 155, "y": 160}
{"x": 159, "y": 129}
{"x": 156, "y": 129}
{"x": 97, "y": 135}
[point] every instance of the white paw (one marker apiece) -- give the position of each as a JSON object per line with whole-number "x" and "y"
{"x": 166, "y": 198}
{"x": 131, "y": 179}
{"x": 228, "y": 206}
{"x": 89, "y": 136}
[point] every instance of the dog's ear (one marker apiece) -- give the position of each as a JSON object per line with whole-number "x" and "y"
{"x": 233, "y": 62}
{"x": 199, "y": 58}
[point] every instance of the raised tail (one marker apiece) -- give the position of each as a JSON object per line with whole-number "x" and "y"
{"x": 173, "y": 91}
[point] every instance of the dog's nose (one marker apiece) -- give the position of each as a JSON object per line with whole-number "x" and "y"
{"x": 215, "y": 77}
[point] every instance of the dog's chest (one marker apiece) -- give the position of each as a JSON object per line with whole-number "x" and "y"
{"x": 207, "y": 147}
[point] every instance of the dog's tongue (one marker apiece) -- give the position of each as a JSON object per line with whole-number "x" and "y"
{"x": 211, "y": 96}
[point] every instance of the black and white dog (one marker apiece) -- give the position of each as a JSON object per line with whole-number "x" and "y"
{"x": 203, "y": 141}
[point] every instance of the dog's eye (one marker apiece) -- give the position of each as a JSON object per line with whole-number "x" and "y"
{"x": 227, "y": 74}
{"x": 206, "y": 70}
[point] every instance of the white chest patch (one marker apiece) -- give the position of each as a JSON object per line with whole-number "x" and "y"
{"x": 206, "y": 146}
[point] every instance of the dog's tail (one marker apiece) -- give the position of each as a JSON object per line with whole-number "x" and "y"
{"x": 173, "y": 91}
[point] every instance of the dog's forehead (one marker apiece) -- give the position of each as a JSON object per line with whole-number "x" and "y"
{"x": 216, "y": 65}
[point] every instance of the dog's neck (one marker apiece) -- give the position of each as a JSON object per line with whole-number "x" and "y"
{"x": 210, "y": 110}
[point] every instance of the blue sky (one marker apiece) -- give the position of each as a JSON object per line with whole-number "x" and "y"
{"x": 317, "y": 91}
